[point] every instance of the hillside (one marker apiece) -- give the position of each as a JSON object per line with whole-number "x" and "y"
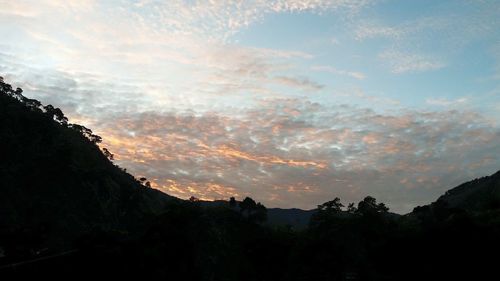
{"x": 476, "y": 195}
{"x": 56, "y": 182}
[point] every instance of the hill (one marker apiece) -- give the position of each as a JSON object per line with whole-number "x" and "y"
{"x": 476, "y": 195}
{"x": 57, "y": 183}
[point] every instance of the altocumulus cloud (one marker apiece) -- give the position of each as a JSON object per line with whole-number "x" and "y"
{"x": 288, "y": 152}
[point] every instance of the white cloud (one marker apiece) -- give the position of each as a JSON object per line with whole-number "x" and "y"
{"x": 331, "y": 69}
{"x": 298, "y": 82}
{"x": 173, "y": 50}
{"x": 292, "y": 152}
{"x": 433, "y": 37}
{"x": 221, "y": 19}
{"x": 368, "y": 31}
{"x": 446, "y": 102}
{"x": 400, "y": 62}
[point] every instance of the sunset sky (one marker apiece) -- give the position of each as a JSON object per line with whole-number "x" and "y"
{"x": 290, "y": 102}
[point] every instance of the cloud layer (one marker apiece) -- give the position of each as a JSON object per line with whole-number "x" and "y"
{"x": 290, "y": 151}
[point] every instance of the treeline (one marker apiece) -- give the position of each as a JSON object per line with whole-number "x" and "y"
{"x": 49, "y": 111}
{"x": 190, "y": 242}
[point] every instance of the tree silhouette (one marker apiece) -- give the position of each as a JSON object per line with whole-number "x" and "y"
{"x": 232, "y": 202}
{"x": 86, "y": 132}
{"x": 326, "y": 213}
{"x": 333, "y": 206}
{"x": 253, "y": 211}
{"x": 369, "y": 206}
{"x": 144, "y": 181}
{"x": 351, "y": 208}
{"x": 108, "y": 154}
{"x": 247, "y": 205}
{"x": 33, "y": 104}
{"x": 56, "y": 114}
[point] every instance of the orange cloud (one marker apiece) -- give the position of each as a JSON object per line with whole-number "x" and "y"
{"x": 231, "y": 152}
{"x": 204, "y": 191}
{"x": 215, "y": 156}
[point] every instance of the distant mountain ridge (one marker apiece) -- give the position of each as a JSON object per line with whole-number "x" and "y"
{"x": 293, "y": 217}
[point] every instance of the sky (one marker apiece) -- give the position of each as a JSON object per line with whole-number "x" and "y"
{"x": 291, "y": 102}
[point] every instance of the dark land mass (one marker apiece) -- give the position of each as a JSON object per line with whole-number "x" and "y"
{"x": 68, "y": 212}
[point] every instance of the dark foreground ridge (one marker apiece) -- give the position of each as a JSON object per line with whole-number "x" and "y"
{"x": 67, "y": 212}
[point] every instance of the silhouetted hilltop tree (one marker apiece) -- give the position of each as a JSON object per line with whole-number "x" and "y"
{"x": 255, "y": 212}
{"x": 333, "y": 206}
{"x": 194, "y": 199}
{"x": 232, "y": 202}
{"x": 144, "y": 181}
{"x": 108, "y": 154}
{"x": 56, "y": 114}
{"x": 351, "y": 208}
{"x": 247, "y": 205}
{"x": 327, "y": 213}
{"x": 87, "y": 133}
{"x": 369, "y": 206}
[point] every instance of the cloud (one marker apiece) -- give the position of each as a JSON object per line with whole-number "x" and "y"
{"x": 330, "y": 69}
{"x": 160, "y": 51}
{"x": 300, "y": 82}
{"x": 414, "y": 44}
{"x": 369, "y": 31}
{"x": 222, "y": 19}
{"x": 400, "y": 62}
{"x": 289, "y": 152}
{"x": 372, "y": 29}
{"x": 446, "y": 102}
